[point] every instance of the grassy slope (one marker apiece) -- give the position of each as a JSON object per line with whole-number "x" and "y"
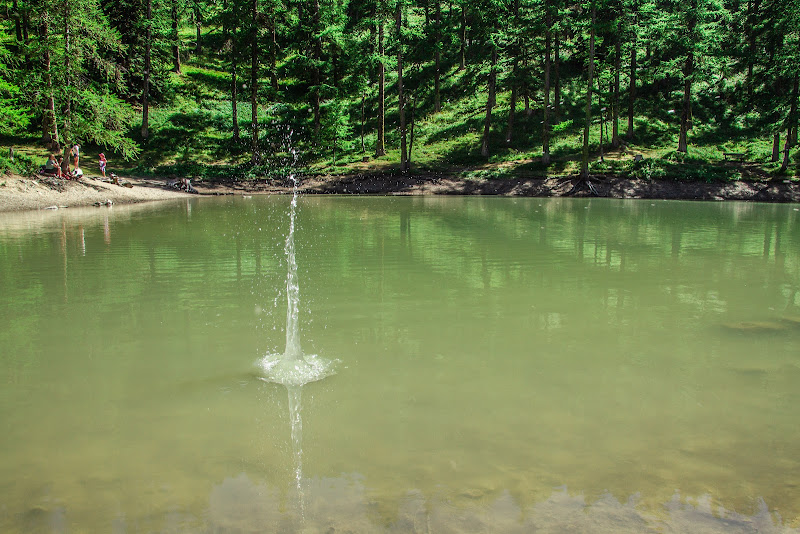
{"x": 190, "y": 135}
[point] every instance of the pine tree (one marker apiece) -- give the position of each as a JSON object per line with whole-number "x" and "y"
{"x": 380, "y": 143}
{"x": 14, "y": 114}
{"x": 592, "y": 8}
{"x": 78, "y": 91}
{"x": 696, "y": 29}
{"x": 401, "y": 103}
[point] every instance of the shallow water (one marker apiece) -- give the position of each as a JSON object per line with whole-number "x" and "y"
{"x": 505, "y": 365}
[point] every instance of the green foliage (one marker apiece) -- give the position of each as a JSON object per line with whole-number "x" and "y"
{"x": 317, "y": 61}
{"x": 14, "y": 115}
{"x": 20, "y": 164}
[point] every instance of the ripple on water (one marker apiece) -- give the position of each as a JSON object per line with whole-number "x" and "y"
{"x": 295, "y": 370}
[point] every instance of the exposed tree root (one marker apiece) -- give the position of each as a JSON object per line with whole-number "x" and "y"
{"x": 583, "y": 183}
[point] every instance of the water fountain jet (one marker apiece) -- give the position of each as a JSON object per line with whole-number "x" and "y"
{"x": 293, "y": 368}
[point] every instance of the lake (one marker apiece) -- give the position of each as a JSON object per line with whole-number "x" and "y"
{"x": 501, "y": 365}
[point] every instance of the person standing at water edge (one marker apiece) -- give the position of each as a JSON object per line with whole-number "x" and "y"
{"x": 103, "y": 164}
{"x": 75, "y": 154}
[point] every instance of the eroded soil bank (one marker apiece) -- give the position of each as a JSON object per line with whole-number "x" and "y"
{"x": 604, "y": 186}
{"x": 18, "y": 193}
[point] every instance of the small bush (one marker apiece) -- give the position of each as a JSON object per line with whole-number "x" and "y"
{"x": 21, "y": 164}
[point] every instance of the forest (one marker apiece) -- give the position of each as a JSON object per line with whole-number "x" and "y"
{"x": 243, "y": 88}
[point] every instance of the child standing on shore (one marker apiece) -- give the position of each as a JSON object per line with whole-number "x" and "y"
{"x": 103, "y": 164}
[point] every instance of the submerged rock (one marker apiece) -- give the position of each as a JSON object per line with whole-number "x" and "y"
{"x": 756, "y": 327}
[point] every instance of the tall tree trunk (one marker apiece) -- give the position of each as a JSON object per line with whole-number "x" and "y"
{"x": 17, "y": 22}
{"x": 631, "y": 92}
{"x": 25, "y": 25}
{"x": 229, "y": 38}
{"x": 317, "y": 74}
{"x": 512, "y": 112}
{"x": 548, "y": 28}
{"x": 615, "y": 141}
{"x": 490, "y": 104}
{"x": 400, "y": 97}
{"x": 198, "y": 26}
{"x": 234, "y": 90}
{"x": 437, "y": 101}
{"x": 515, "y": 51}
{"x": 273, "y": 57}
{"x": 556, "y": 79}
{"x": 49, "y": 124}
{"x": 686, "y": 113}
{"x": 363, "y": 121}
{"x": 66, "y": 131}
{"x": 603, "y": 111}
{"x": 463, "y": 49}
{"x": 751, "y": 46}
{"x": 26, "y": 37}
{"x": 334, "y": 55}
{"x": 146, "y": 79}
{"x": 255, "y": 156}
{"x": 794, "y": 116}
{"x": 380, "y": 143}
{"x": 525, "y": 87}
{"x": 791, "y": 131}
{"x": 412, "y": 110}
{"x": 176, "y": 49}
{"x": 787, "y": 147}
{"x": 585, "y": 158}
{"x": 776, "y": 146}
{"x": 688, "y": 71}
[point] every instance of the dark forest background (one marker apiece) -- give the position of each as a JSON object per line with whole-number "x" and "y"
{"x": 243, "y": 88}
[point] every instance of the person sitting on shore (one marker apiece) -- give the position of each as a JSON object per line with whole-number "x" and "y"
{"x": 62, "y": 171}
{"x": 183, "y": 184}
{"x": 51, "y": 166}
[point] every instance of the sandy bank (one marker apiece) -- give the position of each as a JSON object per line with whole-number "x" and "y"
{"x": 20, "y": 194}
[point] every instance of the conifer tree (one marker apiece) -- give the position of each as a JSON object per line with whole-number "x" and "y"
{"x": 14, "y": 115}
{"x": 78, "y": 89}
{"x": 380, "y": 142}
{"x": 592, "y": 13}
{"x": 548, "y": 16}
{"x": 696, "y": 28}
{"x": 401, "y": 103}
{"x": 488, "y": 30}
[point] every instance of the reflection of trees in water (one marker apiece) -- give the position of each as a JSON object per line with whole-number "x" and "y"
{"x": 533, "y": 247}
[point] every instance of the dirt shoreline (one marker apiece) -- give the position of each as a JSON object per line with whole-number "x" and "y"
{"x": 18, "y": 193}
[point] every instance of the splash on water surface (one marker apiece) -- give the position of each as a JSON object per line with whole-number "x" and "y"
{"x": 295, "y": 371}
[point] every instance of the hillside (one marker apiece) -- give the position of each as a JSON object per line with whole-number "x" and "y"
{"x": 587, "y": 85}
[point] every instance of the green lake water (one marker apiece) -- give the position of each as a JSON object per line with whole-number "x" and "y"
{"x": 502, "y": 365}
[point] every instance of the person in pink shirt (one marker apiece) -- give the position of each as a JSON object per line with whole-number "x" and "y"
{"x": 103, "y": 164}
